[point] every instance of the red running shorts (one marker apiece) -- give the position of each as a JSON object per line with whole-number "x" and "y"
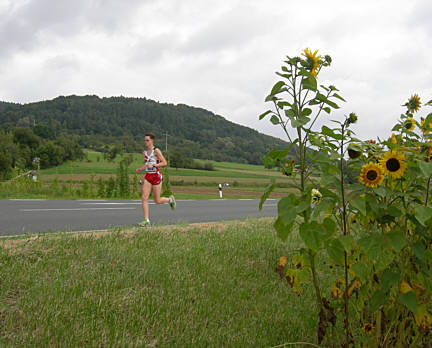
{"x": 154, "y": 178}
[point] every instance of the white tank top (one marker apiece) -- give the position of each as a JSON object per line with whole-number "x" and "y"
{"x": 151, "y": 159}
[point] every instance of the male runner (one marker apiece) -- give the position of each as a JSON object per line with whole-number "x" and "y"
{"x": 153, "y": 178}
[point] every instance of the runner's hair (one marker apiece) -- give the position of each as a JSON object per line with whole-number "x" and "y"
{"x": 151, "y": 135}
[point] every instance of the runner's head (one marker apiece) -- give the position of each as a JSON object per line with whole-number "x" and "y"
{"x": 149, "y": 140}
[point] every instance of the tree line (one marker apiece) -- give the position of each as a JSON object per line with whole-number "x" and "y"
{"x": 102, "y": 123}
{"x": 23, "y": 148}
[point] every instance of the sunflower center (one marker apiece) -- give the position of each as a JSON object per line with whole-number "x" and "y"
{"x": 393, "y": 165}
{"x": 408, "y": 125}
{"x": 371, "y": 175}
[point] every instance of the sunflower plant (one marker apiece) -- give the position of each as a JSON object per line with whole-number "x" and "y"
{"x": 362, "y": 207}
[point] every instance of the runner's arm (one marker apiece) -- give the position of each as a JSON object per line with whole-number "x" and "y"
{"x": 161, "y": 158}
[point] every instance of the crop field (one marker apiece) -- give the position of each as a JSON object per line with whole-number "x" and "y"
{"x": 244, "y": 180}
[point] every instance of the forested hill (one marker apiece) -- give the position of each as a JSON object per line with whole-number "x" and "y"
{"x": 101, "y": 122}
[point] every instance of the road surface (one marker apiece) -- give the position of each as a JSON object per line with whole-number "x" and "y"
{"x": 34, "y": 216}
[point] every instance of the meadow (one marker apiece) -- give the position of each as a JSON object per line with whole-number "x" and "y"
{"x": 206, "y": 285}
{"x": 66, "y": 181}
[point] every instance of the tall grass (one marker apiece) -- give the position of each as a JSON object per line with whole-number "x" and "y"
{"x": 182, "y": 286}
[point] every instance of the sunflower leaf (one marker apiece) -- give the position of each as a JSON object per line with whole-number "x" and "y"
{"x": 282, "y": 230}
{"x": 274, "y": 119}
{"x": 287, "y": 76}
{"x": 266, "y": 193}
{"x": 359, "y": 204}
{"x": 409, "y": 300}
{"x": 426, "y": 168}
{"x": 322, "y": 98}
{"x": 423, "y": 214}
{"x": 378, "y": 299}
{"x": 277, "y": 87}
{"x": 338, "y": 96}
{"x": 311, "y": 235}
{"x": 264, "y": 114}
{"x": 335, "y": 250}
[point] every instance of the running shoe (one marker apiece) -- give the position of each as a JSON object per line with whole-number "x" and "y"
{"x": 144, "y": 223}
{"x": 172, "y": 202}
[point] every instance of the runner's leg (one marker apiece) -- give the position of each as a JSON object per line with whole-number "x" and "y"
{"x": 146, "y": 189}
{"x": 156, "y": 195}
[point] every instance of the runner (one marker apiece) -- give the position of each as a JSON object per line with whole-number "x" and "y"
{"x": 153, "y": 178}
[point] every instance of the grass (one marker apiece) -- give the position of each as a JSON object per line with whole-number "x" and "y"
{"x": 223, "y": 169}
{"x": 208, "y": 285}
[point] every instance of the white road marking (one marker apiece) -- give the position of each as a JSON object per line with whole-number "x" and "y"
{"x": 91, "y": 200}
{"x": 75, "y": 209}
{"x": 112, "y": 203}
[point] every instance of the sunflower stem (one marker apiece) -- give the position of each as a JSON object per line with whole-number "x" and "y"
{"x": 344, "y": 225}
{"x": 302, "y": 152}
{"x": 427, "y": 192}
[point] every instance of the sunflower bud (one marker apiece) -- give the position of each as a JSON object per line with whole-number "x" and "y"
{"x": 354, "y": 151}
{"x": 316, "y": 196}
{"x": 393, "y": 139}
{"x": 352, "y": 118}
{"x": 413, "y": 103}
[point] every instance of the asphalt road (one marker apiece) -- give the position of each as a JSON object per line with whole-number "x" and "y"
{"x": 35, "y": 216}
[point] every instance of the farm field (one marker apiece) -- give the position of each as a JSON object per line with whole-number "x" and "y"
{"x": 244, "y": 180}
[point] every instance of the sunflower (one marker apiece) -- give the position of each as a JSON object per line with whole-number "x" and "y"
{"x": 336, "y": 290}
{"x": 312, "y": 59}
{"x": 316, "y": 196}
{"x": 371, "y": 174}
{"x": 423, "y": 127}
{"x": 393, "y": 164}
{"x": 414, "y": 103}
{"x": 368, "y": 328}
{"x": 393, "y": 139}
{"x": 409, "y": 124}
{"x": 428, "y": 157}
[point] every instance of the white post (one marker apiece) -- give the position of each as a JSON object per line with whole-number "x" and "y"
{"x": 220, "y": 190}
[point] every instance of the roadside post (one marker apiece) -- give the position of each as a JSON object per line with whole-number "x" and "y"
{"x": 225, "y": 184}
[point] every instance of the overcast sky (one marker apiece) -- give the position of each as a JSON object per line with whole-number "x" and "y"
{"x": 219, "y": 55}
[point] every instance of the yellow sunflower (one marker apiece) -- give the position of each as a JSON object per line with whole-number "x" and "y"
{"x": 368, "y": 328}
{"x": 393, "y": 164}
{"x": 409, "y": 124}
{"x": 414, "y": 103}
{"x": 336, "y": 290}
{"x": 393, "y": 139}
{"x": 371, "y": 175}
{"x": 428, "y": 157}
{"x": 312, "y": 59}
{"x": 423, "y": 127}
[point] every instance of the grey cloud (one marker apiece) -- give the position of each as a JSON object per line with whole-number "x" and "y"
{"x": 421, "y": 16}
{"x": 21, "y": 30}
{"x": 149, "y": 50}
{"x": 62, "y": 63}
{"x": 230, "y": 30}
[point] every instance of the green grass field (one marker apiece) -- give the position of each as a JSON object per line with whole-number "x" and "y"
{"x": 181, "y": 286}
{"x": 222, "y": 169}
{"x": 245, "y": 180}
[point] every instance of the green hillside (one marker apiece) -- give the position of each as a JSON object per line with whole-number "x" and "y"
{"x": 101, "y": 122}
